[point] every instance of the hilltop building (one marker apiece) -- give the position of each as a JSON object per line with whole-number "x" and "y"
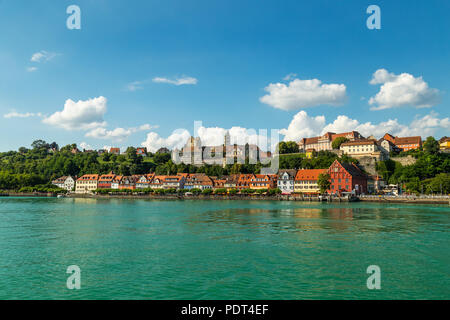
{"x": 404, "y": 143}
{"x": 196, "y": 154}
{"x": 324, "y": 142}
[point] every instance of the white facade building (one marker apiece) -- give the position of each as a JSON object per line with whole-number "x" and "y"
{"x": 286, "y": 180}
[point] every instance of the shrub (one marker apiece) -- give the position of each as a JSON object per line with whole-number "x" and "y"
{"x": 220, "y": 191}
{"x": 207, "y": 191}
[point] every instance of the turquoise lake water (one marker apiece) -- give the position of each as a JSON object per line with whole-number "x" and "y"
{"x": 142, "y": 249}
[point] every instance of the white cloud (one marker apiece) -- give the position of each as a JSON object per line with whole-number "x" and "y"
{"x": 32, "y": 69}
{"x": 303, "y": 126}
{"x": 401, "y": 90}
{"x": 213, "y": 136}
{"x": 14, "y": 114}
{"x": 85, "y": 146}
{"x": 118, "y": 134}
{"x": 289, "y": 76}
{"x": 134, "y": 86}
{"x": 303, "y": 93}
{"x": 43, "y": 56}
{"x": 176, "y": 140}
{"x": 82, "y": 115}
{"x": 177, "y": 81}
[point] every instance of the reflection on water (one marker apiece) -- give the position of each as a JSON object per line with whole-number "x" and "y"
{"x": 142, "y": 249}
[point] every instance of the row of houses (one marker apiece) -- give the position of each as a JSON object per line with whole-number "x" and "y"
{"x": 344, "y": 178}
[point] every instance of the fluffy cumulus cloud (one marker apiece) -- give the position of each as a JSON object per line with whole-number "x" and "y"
{"x": 177, "y": 81}
{"x": 303, "y": 126}
{"x": 118, "y": 134}
{"x": 176, "y": 140}
{"x": 401, "y": 90}
{"x": 14, "y": 114}
{"x": 82, "y": 115}
{"x": 304, "y": 93}
{"x": 212, "y": 136}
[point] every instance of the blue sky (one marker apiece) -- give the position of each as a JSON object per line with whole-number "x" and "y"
{"x": 229, "y": 53}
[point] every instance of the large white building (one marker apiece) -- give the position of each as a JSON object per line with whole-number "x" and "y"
{"x": 362, "y": 148}
{"x": 196, "y": 154}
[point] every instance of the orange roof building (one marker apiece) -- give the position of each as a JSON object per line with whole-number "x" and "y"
{"x": 87, "y": 183}
{"x": 306, "y": 181}
{"x": 263, "y": 181}
{"x": 404, "y": 143}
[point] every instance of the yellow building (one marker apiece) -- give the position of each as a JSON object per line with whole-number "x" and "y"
{"x": 87, "y": 183}
{"x": 310, "y": 153}
{"x": 306, "y": 181}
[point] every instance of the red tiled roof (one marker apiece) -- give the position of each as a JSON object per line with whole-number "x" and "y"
{"x": 359, "y": 142}
{"x": 309, "y": 174}
{"x": 88, "y": 177}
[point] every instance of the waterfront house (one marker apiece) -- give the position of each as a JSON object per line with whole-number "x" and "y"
{"x": 116, "y": 182}
{"x": 231, "y": 181}
{"x": 198, "y": 181}
{"x": 306, "y": 181}
{"x": 168, "y": 182}
{"x": 105, "y": 181}
{"x": 174, "y": 182}
{"x": 65, "y": 182}
{"x": 157, "y": 182}
{"x": 128, "y": 182}
{"x": 87, "y": 183}
{"x": 144, "y": 181}
{"x": 218, "y": 183}
{"x": 346, "y": 177}
{"x": 263, "y": 181}
{"x": 286, "y": 180}
{"x": 243, "y": 181}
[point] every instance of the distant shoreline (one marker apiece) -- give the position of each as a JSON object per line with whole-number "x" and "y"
{"x": 380, "y": 199}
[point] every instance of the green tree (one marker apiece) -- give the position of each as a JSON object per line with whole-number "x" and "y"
{"x": 324, "y": 182}
{"x": 431, "y": 146}
{"x": 336, "y": 144}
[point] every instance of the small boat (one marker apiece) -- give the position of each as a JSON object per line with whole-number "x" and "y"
{"x": 61, "y": 196}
